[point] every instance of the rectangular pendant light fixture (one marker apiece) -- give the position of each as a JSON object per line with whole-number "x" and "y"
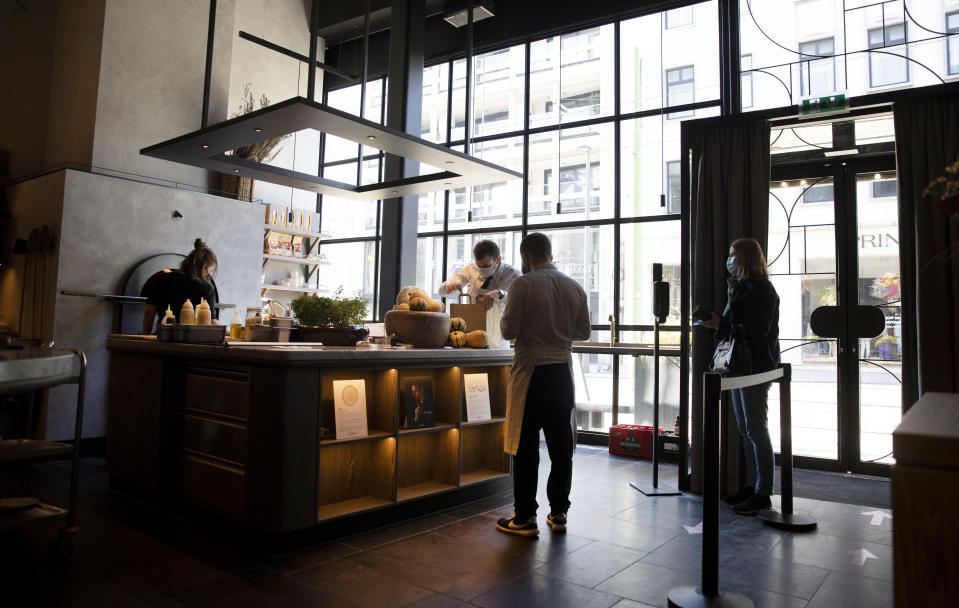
{"x": 208, "y": 147}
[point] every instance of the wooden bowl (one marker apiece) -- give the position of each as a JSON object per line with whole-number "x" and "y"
{"x": 421, "y": 329}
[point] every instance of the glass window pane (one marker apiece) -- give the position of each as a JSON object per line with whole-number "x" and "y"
{"x": 952, "y": 26}
{"x": 498, "y": 203}
{"x": 499, "y": 83}
{"x": 344, "y": 218}
{"x": 643, "y": 245}
{"x": 649, "y": 46}
{"x": 884, "y": 68}
{"x": 571, "y": 77}
{"x": 429, "y": 264}
{"x": 458, "y": 109}
{"x": 679, "y": 17}
{"x": 593, "y": 380}
{"x": 352, "y": 267}
{"x": 636, "y": 389}
{"x": 563, "y": 166}
{"x": 430, "y": 211}
{"x": 433, "y": 122}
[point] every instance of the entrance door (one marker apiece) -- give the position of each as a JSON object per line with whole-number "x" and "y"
{"x": 834, "y": 240}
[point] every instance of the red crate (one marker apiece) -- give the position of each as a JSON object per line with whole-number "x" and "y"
{"x": 631, "y": 440}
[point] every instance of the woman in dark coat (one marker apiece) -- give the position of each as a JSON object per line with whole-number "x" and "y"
{"x": 752, "y": 313}
{"x": 193, "y": 281}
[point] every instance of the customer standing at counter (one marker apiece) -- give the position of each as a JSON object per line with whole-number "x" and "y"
{"x": 545, "y": 312}
{"x": 193, "y": 281}
{"x": 487, "y": 280}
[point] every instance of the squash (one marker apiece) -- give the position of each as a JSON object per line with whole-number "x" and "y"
{"x": 477, "y": 339}
{"x": 419, "y": 304}
{"x": 435, "y": 305}
{"x": 403, "y": 297}
{"x": 401, "y": 307}
{"x": 457, "y": 339}
{"x": 458, "y": 324}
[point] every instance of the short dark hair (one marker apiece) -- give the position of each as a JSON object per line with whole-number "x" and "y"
{"x": 536, "y": 245}
{"x": 485, "y": 248}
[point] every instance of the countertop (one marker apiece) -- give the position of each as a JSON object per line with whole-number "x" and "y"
{"x": 295, "y": 353}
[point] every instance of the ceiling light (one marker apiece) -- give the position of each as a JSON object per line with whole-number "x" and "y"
{"x": 205, "y": 146}
{"x": 258, "y": 130}
{"x": 455, "y": 13}
{"x": 371, "y": 137}
{"x": 783, "y": 184}
{"x": 395, "y": 192}
{"x": 449, "y": 162}
{"x": 803, "y": 183}
{"x": 236, "y": 170}
{"x": 877, "y": 176}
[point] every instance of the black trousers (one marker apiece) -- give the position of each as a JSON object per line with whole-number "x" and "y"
{"x": 549, "y": 405}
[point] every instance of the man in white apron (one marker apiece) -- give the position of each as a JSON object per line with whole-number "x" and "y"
{"x": 545, "y": 312}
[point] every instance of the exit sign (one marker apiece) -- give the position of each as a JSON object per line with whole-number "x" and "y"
{"x": 824, "y": 105}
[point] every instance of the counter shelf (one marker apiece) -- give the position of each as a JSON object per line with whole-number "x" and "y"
{"x": 237, "y": 432}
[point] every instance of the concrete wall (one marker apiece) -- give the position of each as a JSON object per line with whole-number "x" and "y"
{"x": 151, "y": 84}
{"x": 73, "y": 82}
{"x": 26, "y": 57}
{"x": 112, "y": 223}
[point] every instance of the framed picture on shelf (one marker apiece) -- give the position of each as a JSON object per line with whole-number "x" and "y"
{"x": 349, "y": 408}
{"x": 418, "y": 407}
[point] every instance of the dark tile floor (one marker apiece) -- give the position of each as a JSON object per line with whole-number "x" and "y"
{"x": 622, "y": 549}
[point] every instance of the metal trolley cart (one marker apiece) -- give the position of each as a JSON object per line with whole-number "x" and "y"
{"x": 27, "y": 371}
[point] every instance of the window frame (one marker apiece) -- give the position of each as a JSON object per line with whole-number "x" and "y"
{"x": 885, "y": 43}
{"x": 806, "y": 62}
{"x": 692, "y": 88}
{"x": 952, "y": 37}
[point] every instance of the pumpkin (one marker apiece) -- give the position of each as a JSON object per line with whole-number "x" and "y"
{"x": 477, "y": 339}
{"x": 435, "y": 305}
{"x": 402, "y": 307}
{"x": 458, "y": 324}
{"x": 457, "y": 339}
{"x": 419, "y": 304}
{"x": 403, "y": 297}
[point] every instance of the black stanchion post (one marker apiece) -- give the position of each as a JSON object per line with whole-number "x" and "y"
{"x": 660, "y": 312}
{"x": 785, "y": 519}
{"x": 708, "y": 593}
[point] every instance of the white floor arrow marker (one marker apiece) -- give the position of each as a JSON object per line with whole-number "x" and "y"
{"x": 859, "y": 556}
{"x": 877, "y": 517}
{"x": 697, "y": 529}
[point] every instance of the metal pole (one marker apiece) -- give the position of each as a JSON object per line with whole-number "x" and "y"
{"x": 208, "y": 74}
{"x": 655, "y": 401}
{"x": 311, "y": 75}
{"x": 708, "y": 593}
{"x": 785, "y": 519}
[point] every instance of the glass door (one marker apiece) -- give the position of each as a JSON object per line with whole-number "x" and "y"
{"x": 833, "y": 241}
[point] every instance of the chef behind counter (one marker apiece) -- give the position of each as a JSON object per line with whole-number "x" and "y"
{"x": 486, "y": 280}
{"x": 171, "y": 288}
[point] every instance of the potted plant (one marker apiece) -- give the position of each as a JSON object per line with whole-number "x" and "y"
{"x": 335, "y": 321}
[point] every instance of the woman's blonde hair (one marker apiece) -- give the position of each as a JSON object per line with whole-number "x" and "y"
{"x": 752, "y": 262}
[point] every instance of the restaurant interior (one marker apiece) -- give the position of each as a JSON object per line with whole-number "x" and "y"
{"x": 341, "y": 162}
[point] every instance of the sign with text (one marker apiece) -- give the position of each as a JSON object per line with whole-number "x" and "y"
{"x": 477, "y": 397}
{"x": 349, "y": 408}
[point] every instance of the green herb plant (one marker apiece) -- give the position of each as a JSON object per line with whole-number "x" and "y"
{"x": 316, "y": 311}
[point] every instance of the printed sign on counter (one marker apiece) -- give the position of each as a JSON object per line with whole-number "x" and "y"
{"x": 349, "y": 408}
{"x": 477, "y": 397}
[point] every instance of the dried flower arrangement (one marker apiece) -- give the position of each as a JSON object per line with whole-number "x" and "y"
{"x": 262, "y": 151}
{"x": 946, "y": 189}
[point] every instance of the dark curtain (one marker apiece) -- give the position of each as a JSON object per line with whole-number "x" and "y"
{"x": 927, "y": 139}
{"x": 729, "y": 199}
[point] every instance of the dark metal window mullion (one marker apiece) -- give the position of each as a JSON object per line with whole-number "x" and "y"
{"x": 617, "y": 212}
{"x": 524, "y": 221}
{"x": 446, "y": 195}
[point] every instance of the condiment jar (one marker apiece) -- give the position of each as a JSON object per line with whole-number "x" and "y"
{"x": 236, "y": 325}
{"x": 203, "y": 316}
{"x": 186, "y": 313}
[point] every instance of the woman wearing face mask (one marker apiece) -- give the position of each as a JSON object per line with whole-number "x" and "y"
{"x": 752, "y": 311}
{"x": 487, "y": 280}
{"x": 193, "y": 281}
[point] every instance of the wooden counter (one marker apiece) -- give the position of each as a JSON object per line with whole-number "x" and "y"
{"x": 238, "y": 431}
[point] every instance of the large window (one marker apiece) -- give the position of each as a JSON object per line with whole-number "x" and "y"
{"x": 884, "y": 67}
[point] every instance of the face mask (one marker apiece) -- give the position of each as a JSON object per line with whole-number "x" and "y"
{"x": 732, "y": 266}
{"x": 486, "y": 272}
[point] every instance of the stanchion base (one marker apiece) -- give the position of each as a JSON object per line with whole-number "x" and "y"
{"x": 692, "y": 597}
{"x": 649, "y": 490}
{"x": 794, "y": 522}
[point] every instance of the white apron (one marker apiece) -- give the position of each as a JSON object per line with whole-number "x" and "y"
{"x": 520, "y": 374}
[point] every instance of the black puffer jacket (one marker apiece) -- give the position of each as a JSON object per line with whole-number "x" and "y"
{"x": 754, "y": 314}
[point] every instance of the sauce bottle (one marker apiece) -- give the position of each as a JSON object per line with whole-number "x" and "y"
{"x": 186, "y": 313}
{"x": 236, "y": 325}
{"x": 203, "y": 316}
{"x": 168, "y": 317}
